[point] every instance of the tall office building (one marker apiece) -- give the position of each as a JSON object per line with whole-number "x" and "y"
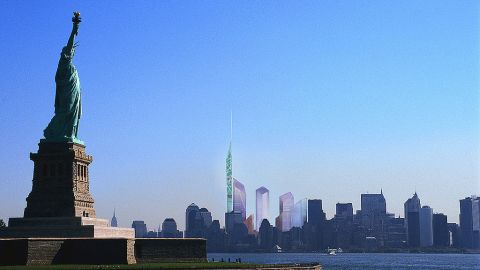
{"x": 229, "y": 176}
{"x": 426, "y": 226}
{"x": 412, "y": 220}
{"x": 344, "y": 211}
{"x": 262, "y": 205}
{"x": 249, "y": 223}
{"x": 169, "y": 229}
{"x": 315, "y": 214}
{"x": 470, "y": 222}
{"x": 299, "y": 216}
{"x": 239, "y": 199}
{"x": 190, "y": 214}
{"x": 373, "y": 210}
{"x": 286, "y": 205}
{"x": 113, "y": 222}
{"x": 441, "y": 235}
{"x": 140, "y": 228}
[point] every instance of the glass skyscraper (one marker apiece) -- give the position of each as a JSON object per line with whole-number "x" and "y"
{"x": 262, "y": 206}
{"x": 286, "y": 205}
{"x": 228, "y": 170}
{"x": 299, "y": 216}
{"x": 239, "y": 199}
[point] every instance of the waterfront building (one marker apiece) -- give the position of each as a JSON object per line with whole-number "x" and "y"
{"x": 265, "y": 236}
{"x": 262, "y": 205}
{"x": 169, "y": 229}
{"x": 239, "y": 198}
{"x": 441, "y": 236}
{"x": 286, "y": 205}
{"x": 140, "y": 228}
{"x": 426, "y": 226}
{"x": 470, "y": 222}
{"x": 411, "y": 209}
{"x": 113, "y": 222}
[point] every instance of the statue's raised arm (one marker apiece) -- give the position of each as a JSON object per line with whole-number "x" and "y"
{"x": 76, "y": 22}
{"x": 68, "y": 107}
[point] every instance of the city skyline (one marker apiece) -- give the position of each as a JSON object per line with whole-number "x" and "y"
{"x": 348, "y": 99}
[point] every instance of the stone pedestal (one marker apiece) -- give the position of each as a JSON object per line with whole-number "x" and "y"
{"x": 61, "y": 185}
{"x": 60, "y": 204}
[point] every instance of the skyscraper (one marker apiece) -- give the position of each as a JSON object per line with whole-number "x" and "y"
{"x": 344, "y": 211}
{"x": 262, "y": 205}
{"x": 374, "y": 209}
{"x": 140, "y": 228}
{"x": 426, "y": 226}
{"x": 169, "y": 229}
{"x": 299, "y": 215}
{"x": 470, "y": 222}
{"x": 249, "y": 223}
{"x": 190, "y": 217}
{"x": 412, "y": 220}
{"x": 113, "y": 222}
{"x": 229, "y": 179}
{"x": 315, "y": 212}
{"x": 239, "y": 199}
{"x": 441, "y": 236}
{"x": 286, "y": 205}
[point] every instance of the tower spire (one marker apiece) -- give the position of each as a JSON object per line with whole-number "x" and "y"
{"x": 229, "y": 169}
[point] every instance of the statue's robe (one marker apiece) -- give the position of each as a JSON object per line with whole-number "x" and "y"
{"x": 68, "y": 108}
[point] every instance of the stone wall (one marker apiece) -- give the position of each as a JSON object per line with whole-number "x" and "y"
{"x": 149, "y": 250}
{"x": 45, "y": 251}
{"x": 66, "y": 251}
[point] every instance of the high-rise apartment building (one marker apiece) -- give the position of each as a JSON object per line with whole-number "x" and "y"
{"x": 262, "y": 200}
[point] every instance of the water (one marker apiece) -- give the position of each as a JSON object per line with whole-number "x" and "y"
{"x": 363, "y": 261}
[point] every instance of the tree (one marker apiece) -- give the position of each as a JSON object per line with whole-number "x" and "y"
{"x": 2, "y": 224}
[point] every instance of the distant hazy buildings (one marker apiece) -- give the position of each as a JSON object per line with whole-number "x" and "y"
{"x": 239, "y": 198}
{"x": 373, "y": 210}
{"x": 113, "y": 222}
{"x": 286, "y": 205}
{"x": 262, "y": 205}
{"x": 197, "y": 221}
{"x": 140, "y": 228}
{"x": 169, "y": 229}
{"x": 426, "y": 226}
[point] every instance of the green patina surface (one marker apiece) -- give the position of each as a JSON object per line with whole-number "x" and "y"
{"x": 68, "y": 106}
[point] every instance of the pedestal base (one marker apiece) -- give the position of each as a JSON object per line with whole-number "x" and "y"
{"x": 63, "y": 227}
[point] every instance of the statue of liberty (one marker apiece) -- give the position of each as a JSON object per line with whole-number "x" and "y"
{"x": 68, "y": 106}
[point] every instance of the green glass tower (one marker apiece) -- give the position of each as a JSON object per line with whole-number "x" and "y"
{"x": 229, "y": 179}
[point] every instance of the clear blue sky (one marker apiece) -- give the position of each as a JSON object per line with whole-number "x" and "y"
{"x": 330, "y": 99}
